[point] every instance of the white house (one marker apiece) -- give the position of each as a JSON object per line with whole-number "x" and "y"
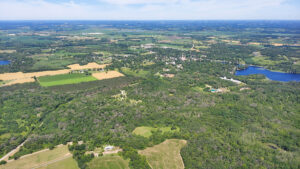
{"x": 108, "y": 148}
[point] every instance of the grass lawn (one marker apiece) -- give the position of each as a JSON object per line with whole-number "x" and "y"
{"x": 147, "y": 131}
{"x": 165, "y": 155}
{"x": 63, "y": 79}
{"x": 59, "y": 157}
{"x": 109, "y": 162}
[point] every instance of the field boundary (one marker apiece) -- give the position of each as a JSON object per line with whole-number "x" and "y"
{"x": 20, "y": 77}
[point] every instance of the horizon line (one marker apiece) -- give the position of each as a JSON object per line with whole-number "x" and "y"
{"x": 149, "y": 20}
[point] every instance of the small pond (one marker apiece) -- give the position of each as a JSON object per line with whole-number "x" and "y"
{"x": 4, "y": 62}
{"x": 276, "y": 76}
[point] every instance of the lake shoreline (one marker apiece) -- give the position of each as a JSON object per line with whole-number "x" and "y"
{"x": 271, "y": 75}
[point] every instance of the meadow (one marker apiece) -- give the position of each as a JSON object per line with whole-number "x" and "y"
{"x": 147, "y": 131}
{"x": 63, "y": 79}
{"x": 138, "y": 73}
{"x": 108, "y": 162}
{"x": 50, "y": 159}
{"x": 165, "y": 155}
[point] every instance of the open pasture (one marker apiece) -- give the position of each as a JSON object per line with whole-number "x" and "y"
{"x": 139, "y": 73}
{"x": 147, "y": 131}
{"x": 59, "y": 157}
{"x": 109, "y": 162}
{"x": 165, "y": 155}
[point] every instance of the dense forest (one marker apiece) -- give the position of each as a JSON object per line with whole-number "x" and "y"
{"x": 169, "y": 69}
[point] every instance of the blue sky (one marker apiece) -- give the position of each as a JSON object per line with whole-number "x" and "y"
{"x": 149, "y": 9}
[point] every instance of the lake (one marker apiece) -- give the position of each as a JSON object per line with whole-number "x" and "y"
{"x": 277, "y": 76}
{"x": 4, "y": 62}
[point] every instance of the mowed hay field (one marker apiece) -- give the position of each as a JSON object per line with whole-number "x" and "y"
{"x": 147, "y": 131}
{"x": 91, "y": 65}
{"x": 107, "y": 75}
{"x": 8, "y": 51}
{"x": 165, "y": 155}
{"x": 112, "y": 161}
{"x": 68, "y": 163}
{"x": 63, "y": 79}
{"x": 58, "y": 158}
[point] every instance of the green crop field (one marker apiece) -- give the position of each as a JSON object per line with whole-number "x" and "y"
{"x": 56, "y": 80}
{"x": 59, "y": 157}
{"x": 147, "y": 131}
{"x": 165, "y": 155}
{"x": 108, "y": 162}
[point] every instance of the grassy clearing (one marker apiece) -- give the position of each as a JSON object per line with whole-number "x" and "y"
{"x": 51, "y": 64}
{"x": 198, "y": 89}
{"x": 68, "y": 163}
{"x": 165, "y": 155}
{"x": 262, "y": 60}
{"x": 63, "y": 79}
{"x": 109, "y": 162}
{"x": 147, "y": 131}
{"x": 49, "y": 159}
{"x": 140, "y": 73}
{"x": 178, "y": 47}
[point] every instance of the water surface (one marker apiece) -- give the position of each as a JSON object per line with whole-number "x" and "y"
{"x": 277, "y": 76}
{"x": 4, "y": 62}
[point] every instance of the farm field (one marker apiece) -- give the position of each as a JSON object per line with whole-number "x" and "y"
{"x": 56, "y": 80}
{"x": 20, "y": 77}
{"x": 147, "y": 131}
{"x": 50, "y": 63}
{"x": 68, "y": 163}
{"x": 139, "y": 86}
{"x": 108, "y": 162}
{"x": 165, "y": 155}
{"x": 91, "y": 65}
{"x": 59, "y": 157}
{"x": 107, "y": 75}
{"x": 8, "y": 51}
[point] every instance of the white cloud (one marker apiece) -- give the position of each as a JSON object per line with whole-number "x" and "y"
{"x": 148, "y": 9}
{"x": 137, "y": 2}
{"x": 39, "y": 9}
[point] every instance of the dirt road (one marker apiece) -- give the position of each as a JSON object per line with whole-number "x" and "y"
{"x": 12, "y": 152}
